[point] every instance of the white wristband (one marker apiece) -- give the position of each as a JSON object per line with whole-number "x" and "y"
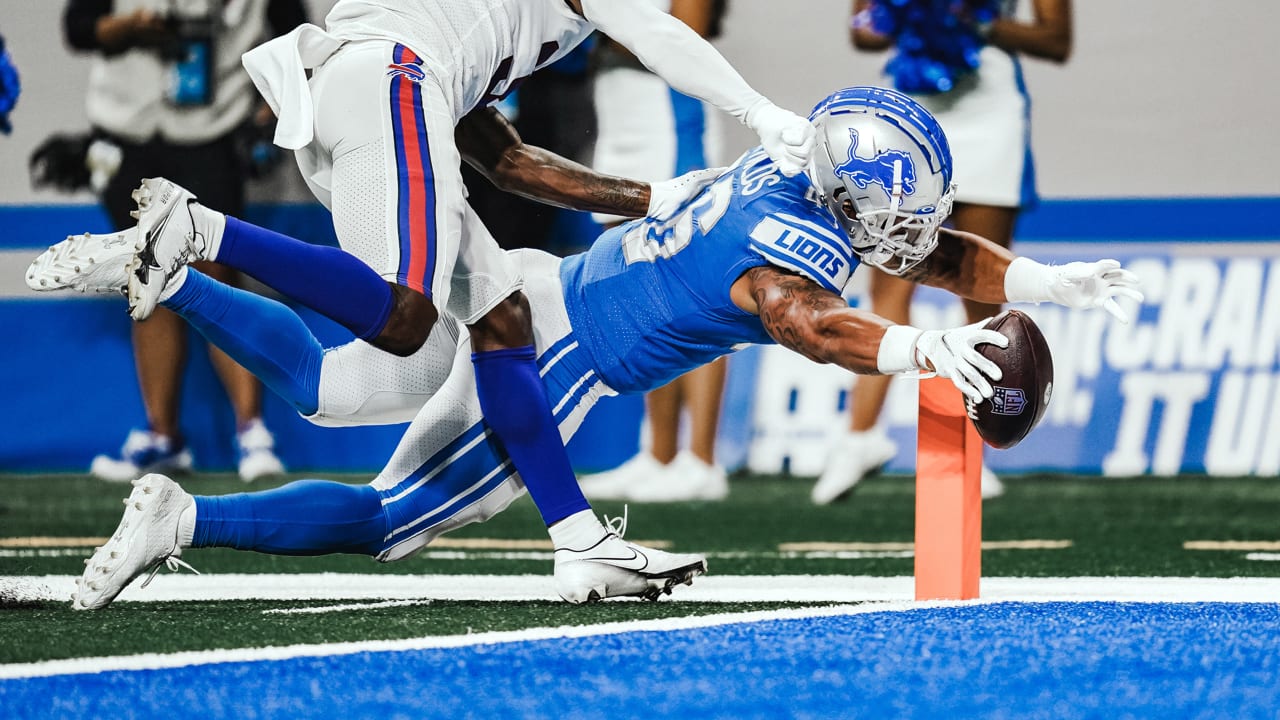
{"x": 898, "y": 350}
{"x": 1027, "y": 281}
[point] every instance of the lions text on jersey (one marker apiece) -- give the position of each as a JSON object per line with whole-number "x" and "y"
{"x": 650, "y": 300}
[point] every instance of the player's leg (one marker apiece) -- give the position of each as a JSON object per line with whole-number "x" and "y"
{"x": 377, "y": 146}
{"x": 509, "y": 386}
{"x": 662, "y": 406}
{"x": 432, "y": 488}
{"x": 448, "y": 471}
{"x": 866, "y": 447}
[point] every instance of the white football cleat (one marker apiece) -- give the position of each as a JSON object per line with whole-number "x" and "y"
{"x": 143, "y": 452}
{"x": 256, "y": 449}
{"x": 617, "y": 484}
{"x": 85, "y": 263}
{"x": 173, "y": 230}
{"x": 687, "y": 478}
{"x": 613, "y": 567}
{"x": 146, "y": 537}
{"x": 853, "y": 457}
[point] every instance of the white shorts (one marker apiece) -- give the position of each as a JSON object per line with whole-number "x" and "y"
{"x": 647, "y": 131}
{"x": 448, "y": 470}
{"x": 987, "y": 122}
{"x": 384, "y": 162}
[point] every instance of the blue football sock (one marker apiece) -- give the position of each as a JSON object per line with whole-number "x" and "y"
{"x": 515, "y": 406}
{"x": 263, "y": 335}
{"x": 307, "y": 517}
{"x": 326, "y": 279}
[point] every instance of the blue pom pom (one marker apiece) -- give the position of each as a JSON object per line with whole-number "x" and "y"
{"x": 937, "y": 41}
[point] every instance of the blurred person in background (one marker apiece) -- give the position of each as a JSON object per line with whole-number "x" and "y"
{"x": 958, "y": 58}
{"x": 167, "y": 89}
{"x": 649, "y": 131}
{"x": 10, "y": 88}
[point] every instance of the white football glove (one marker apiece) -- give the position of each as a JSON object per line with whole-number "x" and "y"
{"x": 1076, "y": 285}
{"x": 953, "y": 355}
{"x": 666, "y": 197}
{"x": 786, "y": 137}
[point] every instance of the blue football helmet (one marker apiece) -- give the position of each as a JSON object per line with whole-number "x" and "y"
{"x": 882, "y": 166}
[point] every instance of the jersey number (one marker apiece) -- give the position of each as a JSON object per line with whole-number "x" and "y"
{"x": 500, "y": 77}
{"x": 649, "y": 240}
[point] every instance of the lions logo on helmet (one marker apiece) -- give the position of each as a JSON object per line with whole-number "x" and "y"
{"x": 881, "y": 169}
{"x": 877, "y": 137}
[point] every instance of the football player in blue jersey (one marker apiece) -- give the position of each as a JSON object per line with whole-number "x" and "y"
{"x": 756, "y": 257}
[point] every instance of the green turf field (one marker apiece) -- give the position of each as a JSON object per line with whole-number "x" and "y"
{"x": 1112, "y": 527}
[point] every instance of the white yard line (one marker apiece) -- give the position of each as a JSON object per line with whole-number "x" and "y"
{"x": 321, "y": 609}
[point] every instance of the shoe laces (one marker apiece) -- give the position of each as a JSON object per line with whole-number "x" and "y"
{"x": 617, "y": 525}
{"x": 173, "y": 562}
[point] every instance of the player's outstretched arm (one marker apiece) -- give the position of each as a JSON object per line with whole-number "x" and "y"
{"x": 688, "y": 63}
{"x": 972, "y": 267}
{"x": 819, "y": 324}
{"x": 490, "y": 144}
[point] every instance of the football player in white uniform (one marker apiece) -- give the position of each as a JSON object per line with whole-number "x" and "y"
{"x": 373, "y": 128}
{"x": 758, "y": 257}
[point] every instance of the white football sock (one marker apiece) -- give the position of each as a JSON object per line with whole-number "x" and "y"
{"x": 580, "y": 530}
{"x": 187, "y": 524}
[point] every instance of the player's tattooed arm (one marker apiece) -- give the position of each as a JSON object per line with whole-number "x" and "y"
{"x": 809, "y": 319}
{"x": 965, "y": 264}
{"x": 490, "y": 144}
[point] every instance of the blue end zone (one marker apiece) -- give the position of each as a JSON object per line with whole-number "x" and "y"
{"x": 1014, "y": 660}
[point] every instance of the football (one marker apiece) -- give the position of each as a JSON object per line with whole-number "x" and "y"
{"x": 1023, "y": 392}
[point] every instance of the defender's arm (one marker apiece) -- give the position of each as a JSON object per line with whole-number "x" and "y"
{"x": 490, "y": 144}
{"x": 688, "y": 63}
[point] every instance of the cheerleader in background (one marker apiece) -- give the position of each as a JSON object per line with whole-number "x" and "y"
{"x": 958, "y": 58}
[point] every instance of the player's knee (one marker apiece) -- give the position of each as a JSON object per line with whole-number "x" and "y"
{"x": 409, "y": 324}
{"x": 508, "y": 325}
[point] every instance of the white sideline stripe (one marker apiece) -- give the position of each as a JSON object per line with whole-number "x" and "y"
{"x": 880, "y": 594}
{"x": 173, "y": 587}
{"x": 209, "y": 657}
{"x": 343, "y": 608}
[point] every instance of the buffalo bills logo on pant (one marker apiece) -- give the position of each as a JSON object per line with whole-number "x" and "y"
{"x": 879, "y": 169}
{"x": 406, "y": 70}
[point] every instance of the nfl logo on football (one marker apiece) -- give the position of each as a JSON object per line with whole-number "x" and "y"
{"x": 1008, "y": 401}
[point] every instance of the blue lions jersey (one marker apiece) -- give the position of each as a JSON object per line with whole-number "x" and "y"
{"x": 650, "y": 300}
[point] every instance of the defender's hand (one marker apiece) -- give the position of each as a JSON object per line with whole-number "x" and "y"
{"x": 953, "y": 354}
{"x": 786, "y": 137}
{"x": 668, "y": 196}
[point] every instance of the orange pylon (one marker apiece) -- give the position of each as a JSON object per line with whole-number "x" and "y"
{"x": 948, "y": 496}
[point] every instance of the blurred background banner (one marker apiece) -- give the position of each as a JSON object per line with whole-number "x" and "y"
{"x": 1151, "y": 155}
{"x": 1192, "y": 386}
